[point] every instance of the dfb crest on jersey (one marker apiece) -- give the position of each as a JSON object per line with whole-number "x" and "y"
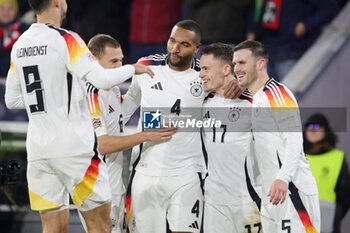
{"x": 196, "y": 88}
{"x": 152, "y": 119}
{"x": 234, "y": 114}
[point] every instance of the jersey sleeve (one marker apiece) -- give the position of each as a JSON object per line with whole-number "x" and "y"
{"x": 285, "y": 112}
{"x": 132, "y": 99}
{"x": 95, "y": 107}
{"x": 83, "y": 64}
{"x": 13, "y": 94}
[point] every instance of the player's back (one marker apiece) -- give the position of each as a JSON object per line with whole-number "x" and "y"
{"x": 55, "y": 100}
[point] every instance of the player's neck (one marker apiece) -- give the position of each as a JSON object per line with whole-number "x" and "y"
{"x": 258, "y": 83}
{"x": 49, "y": 17}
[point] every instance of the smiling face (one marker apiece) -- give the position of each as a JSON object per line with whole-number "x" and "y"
{"x": 212, "y": 72}
{"x": 245, "y": 67}
{"x": 111, "y": 58}
{"x": 182, "y": 46}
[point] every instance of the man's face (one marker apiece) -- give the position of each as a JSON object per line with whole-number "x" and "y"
{"x": 182, "y": 46}
{"x": 7, "y": 13}
{"x": 245, "y": 67}
{"x": 212, "y": 72}
{"x": 111, "y": 58}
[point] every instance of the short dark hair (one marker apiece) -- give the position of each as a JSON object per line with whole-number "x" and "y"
{"x": 257, "y": 48}
{"x": 99, "y": 42}
{"x": 191, "y": 25}
{"x": 39, "y": 5}
{"x": 220, "y": 51}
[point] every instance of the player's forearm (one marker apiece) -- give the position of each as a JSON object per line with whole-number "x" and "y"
{"x": 292, "y": 155}
{"x": 107, "y": 78}
{"x": 111, "y": 144}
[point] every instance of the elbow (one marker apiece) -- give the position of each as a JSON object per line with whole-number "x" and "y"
{"x": 13, "y": 103}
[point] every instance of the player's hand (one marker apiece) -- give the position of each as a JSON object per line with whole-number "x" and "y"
{"x": 278, "y": 192}
{"x": 232, "y": 89}
{"x": 142, "y": 69}
{"x": 161, "y": 134}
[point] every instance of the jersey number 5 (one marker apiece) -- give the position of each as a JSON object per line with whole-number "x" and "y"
{"x": 33, "y": 86}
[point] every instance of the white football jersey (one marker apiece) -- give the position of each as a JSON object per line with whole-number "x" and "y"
{"x": 107, "y": 119}
{"x": 228, "y": 148}
{"x": 45, "y": 64}
{"x": 45, "y": 77}
{"x": 176, "y": 93}
{"x": 278, "y": 139}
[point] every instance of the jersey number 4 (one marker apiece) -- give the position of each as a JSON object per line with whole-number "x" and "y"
{"x": 33, "y": 86}
{"x": 176, "y": 107}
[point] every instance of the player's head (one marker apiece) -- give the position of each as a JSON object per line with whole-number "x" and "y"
{"x": 249, "y": 59}
{"x": 40, "y": 6}
{"x": 107, "y": 51}
{"x": 183, "y": 44}
{"x": 216, "y": 65}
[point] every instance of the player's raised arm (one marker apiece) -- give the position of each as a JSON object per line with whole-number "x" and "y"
{"x": 81, "y": 62}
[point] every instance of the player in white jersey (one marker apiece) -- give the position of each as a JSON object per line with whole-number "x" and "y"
{"x": 48, "y": 65}
{"x": 278, "y": 147}
{"x": 228, "y": 205}
{"x": 106, "y": 114}
{"x": 166, "y": 185}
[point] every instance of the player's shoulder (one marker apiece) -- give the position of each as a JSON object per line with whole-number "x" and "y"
{"x": 278, "y": 94}
{"x": 70, "y": 37}
{"x": 246, "y": 95}
{"x": 162, "y": 60}
{"x": 90, "y": 89}
{"x": 154, "y": 60}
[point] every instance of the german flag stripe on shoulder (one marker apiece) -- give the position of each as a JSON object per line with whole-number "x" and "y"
{"x": 76, "y": 46}
{"x": 94, "y": 104}
{"x": 278, "y": 96}
{"x": 154, "y": 60}
{"x": 162, "y": 59}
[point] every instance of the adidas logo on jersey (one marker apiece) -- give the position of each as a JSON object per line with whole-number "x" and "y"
{"x": 111, "y": 109}
{"x": 157, "y": 86}
{"x": 194, "y": 225}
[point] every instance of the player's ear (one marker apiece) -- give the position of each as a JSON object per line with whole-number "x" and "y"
{"x": 227, "y": 69}
{"x": 198, "y": 46}
{"x": 261, "y": 64}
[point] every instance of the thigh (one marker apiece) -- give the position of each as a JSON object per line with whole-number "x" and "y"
{"x": 45, "y": 187}
{"x": 117, "y": 213}
{"x": 86, "y": 178}
{"x": 149, "y": 216}
{"x": 185, "y": 208}
{"x": 246, "y": 218}
{"x": 290, "y": 217}
{"x": 217, "y": 219}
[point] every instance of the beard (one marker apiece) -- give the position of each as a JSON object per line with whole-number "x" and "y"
{"x": 182, "y": 62}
